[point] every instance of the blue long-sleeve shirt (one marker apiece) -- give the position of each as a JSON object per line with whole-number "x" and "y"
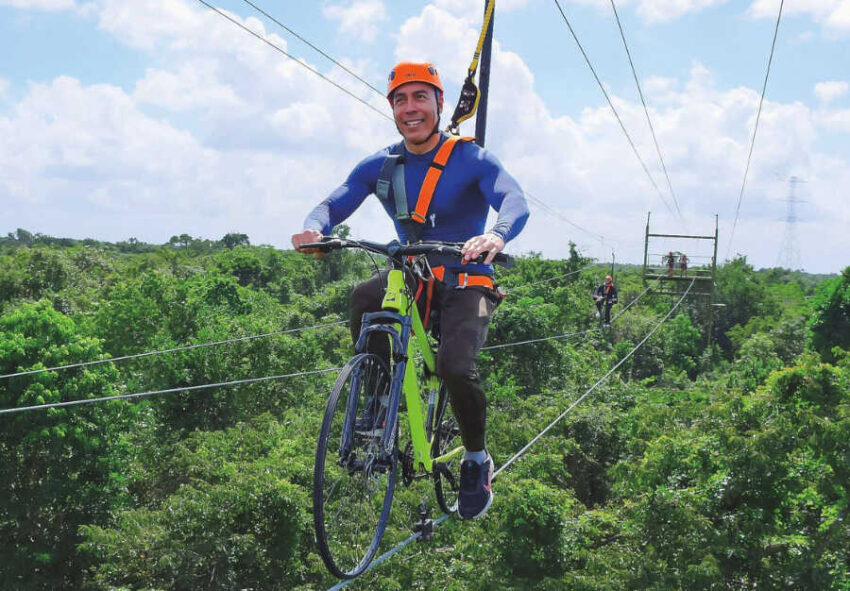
{"x": 472, "y": 182}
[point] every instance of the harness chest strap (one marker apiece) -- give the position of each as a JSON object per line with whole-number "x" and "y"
{"x": 432, "y": 177}
{"x": 392, "y": 175}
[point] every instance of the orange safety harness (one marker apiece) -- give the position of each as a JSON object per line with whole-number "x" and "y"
{"x": 392, "y": 175}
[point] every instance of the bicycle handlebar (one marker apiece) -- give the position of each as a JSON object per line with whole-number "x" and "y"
{"x": 397, "y": 249}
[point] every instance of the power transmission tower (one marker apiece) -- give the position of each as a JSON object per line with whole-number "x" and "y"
{"x": 789, "y": 252}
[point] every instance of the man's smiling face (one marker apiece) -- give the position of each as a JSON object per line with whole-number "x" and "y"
{"x": 415, "y": 108}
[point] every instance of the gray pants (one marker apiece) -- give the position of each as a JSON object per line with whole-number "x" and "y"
{"x": 464, "y": 319}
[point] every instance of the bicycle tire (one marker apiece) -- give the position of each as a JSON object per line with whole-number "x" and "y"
{"x": 446, "y": 437}
{"x": 352, "y": 486}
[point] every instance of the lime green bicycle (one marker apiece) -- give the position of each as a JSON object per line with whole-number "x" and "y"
{"x": 359, "y": 453}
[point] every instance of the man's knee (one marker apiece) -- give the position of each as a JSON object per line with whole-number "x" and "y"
{"x": 365, "y": 297}
{"x": 456, "y": 370}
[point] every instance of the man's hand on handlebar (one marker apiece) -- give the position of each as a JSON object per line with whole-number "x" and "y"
{"x": 489, "y": 243}
{"x": 307, "y": 237}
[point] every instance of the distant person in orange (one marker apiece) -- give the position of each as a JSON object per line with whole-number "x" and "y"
{"x": 605, "y": 295}
{"x": 683, "y": 264}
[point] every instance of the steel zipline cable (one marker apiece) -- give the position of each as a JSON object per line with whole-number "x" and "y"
{"x": 296, "y": 60}
{"x": 564, "y": 276}
{"x": 536, "y": 200}
{"x": 168, "y": 391}
{"x": 221, "y": 342}
{"x": 755, "y": 129}
{"x": 522, "y": 451}
{"x": 554, "y": 212}
{"x": 314, "y": 47}
{"x": 568, "y": 334}
{"x": 645, "y": 109}
{"x": 613, "y": 109}
{"x": 173, "y": 350}
{"x": 249, "y": 380}
{"x": 398, "y": 547}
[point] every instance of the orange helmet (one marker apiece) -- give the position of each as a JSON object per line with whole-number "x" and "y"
{"x": 405, "y": 72}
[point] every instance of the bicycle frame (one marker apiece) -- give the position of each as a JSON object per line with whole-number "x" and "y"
{"x": 401, "y": 308}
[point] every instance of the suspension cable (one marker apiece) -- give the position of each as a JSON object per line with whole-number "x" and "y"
{"x": 554, "y": 212}
{"x": 175, "y": 349}
{"x": 614, "y": 110}
{"x": 299, "y": 62}
{"x": 318, "y": 49}
{"x": 168, "y": 391}
{"x": 389, "y": 553}
{"x": 569, "y": 334}
{"x": 594, "y": 386}
{"x": 251, "y": 380}
{"x": 755, "y": 129}
{"x": 564, "y": 276}
{"x": 645, "y": 110}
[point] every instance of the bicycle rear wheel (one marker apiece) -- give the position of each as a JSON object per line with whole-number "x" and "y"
{"x": 446, "y": 438}
{"x": 353, "y": 479}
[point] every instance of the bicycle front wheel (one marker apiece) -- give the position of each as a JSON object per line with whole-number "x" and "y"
{"x": 446, "y": 439}
{"x": 353, "y": 479}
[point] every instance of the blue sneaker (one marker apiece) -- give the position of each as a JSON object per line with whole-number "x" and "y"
{"x": 475, "y": 496}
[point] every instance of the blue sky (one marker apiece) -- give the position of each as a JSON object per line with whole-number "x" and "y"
{"x": 157, "y": 117}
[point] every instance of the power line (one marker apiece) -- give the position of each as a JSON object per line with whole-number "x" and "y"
{"x": 756, "y": 128}
{"x": 302, "y": 39}
{"x": 392, "y": 551}
{"x": 554, "y": 212}
{"x": 168, "y": 391}
{"x": 611, "y": 104}
{"x": 175, "y": 349}
{"x": 645, "y": 110}
{"x": 303, "y": 64}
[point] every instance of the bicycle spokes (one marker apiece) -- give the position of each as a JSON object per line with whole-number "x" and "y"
{"x": 353, "y": 479}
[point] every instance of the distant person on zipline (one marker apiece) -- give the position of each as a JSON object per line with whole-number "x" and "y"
{"x": 683, "y": 264}
{"x": 472, "y": 181}
{"x": 605, "y": 295}
{"x": 671, "y": 263}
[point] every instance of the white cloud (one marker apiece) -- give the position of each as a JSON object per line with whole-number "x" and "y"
{"x": 835, "y": 120}
{"x": 833, "y": 14}
{"x": 48, "y": 5}
{"x": 584, "y": 168}
{"x": 361, "y": 19}
{"x": 830, "y": 90}
{"x": 191, "y": 86}
{"x": 224, "y": 133}
{"x": 655, "y": 11}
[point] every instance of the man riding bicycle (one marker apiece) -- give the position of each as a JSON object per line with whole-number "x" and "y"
{"x": 437, "y": 187}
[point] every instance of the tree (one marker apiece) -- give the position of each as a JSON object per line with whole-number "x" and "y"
{"x": 739, "y": 288}
{"x": 60, "y": 468}
{"x": 830, "y": 323}
{"x": 232, "y": 240}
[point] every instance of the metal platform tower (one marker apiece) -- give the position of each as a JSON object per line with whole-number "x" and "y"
{"x": 789, "y": 252}
{"x": 671, "y": 276}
